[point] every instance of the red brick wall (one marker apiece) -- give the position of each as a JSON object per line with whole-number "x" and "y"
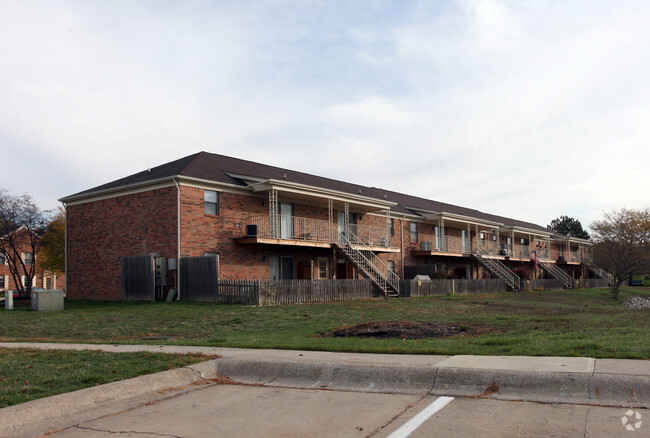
{"x": 203, "y": 233}
{"x": 99, "y": 233}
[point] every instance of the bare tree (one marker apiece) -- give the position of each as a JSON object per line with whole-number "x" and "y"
{"x": 622, "y": 244}
{"x": 22, "y": 225}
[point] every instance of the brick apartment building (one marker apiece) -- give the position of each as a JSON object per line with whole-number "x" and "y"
{"x": 264, "y": 222}
{"x": 42, "y": 278}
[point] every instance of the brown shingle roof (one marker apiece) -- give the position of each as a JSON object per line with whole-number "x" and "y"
{"x": 214, "y": 167}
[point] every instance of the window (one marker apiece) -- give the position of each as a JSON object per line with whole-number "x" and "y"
{"x": 3, "y": 260}
{"x": 414, "y": 232}
{"x": 323, "y": 268}
{"x": 27, "y": 258}
{"x": 392, "y": 227}
{"x": 210, "y": 202}
{"x": 482, "y": 236}
{"x": 2, "y": 282}
{"x": 391, "y": 265}
{"x": 48, "y": 283}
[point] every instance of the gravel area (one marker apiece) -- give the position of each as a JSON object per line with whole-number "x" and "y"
{"x": 637, "y": 303}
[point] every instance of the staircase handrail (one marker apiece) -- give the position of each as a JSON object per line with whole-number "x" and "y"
{"x": 387, "y": 274}
{"x": 501, "y": 270}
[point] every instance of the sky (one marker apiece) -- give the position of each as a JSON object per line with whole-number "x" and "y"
{"x": 525, "y": 109}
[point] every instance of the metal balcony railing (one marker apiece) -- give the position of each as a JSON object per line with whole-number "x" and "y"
{"x": 316, "y": 230}
{"x": 450, "y": 244}
{"x": 369, "y": 235}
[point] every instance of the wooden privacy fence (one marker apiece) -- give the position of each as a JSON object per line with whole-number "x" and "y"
{"x": 138, "y": 278}
{"x": 199, "y": 278}
{"x": 542, "y": 284}
{"x": 590, "y": 282}
{"x": 414, "y": 288}
{"x": 316, "y": 291}
{"x": 283, "y": 292}
{"x": 255, "y": 292}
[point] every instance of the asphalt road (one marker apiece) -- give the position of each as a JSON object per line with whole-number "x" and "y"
{"x": 219, "y": 410}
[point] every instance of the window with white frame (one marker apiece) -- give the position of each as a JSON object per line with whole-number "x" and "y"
{"x": 211, "y": 202}
{"x": 23, "y": 279}
{"x": 323, "y": 268}
{"x": 3, "y": 284}
{"x": 414, "y": 232}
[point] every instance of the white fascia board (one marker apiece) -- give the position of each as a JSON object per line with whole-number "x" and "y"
{"x": 574, "y": 240}
{"x": 285, "y": 186}
{"x": 461, "y": 218}
{"x": 161, "y": 183}
{"x": 117, "y": 191}
{"x": 527, "y": 231}
{"x": 212, "y": 185}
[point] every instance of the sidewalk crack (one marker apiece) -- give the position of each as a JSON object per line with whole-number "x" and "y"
{"x": 119, "y": 432}
{"x": 587, "y": 421}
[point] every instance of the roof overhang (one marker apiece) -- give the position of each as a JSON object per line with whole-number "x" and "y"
{"x": 160, "y": 183}
{"x": 302, "y": 190}
{"x": 453, "y": 217}
{"x": 524, "y": 230}
{"x": 573, "y": 240}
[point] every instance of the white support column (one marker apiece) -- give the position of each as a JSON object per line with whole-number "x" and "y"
{"x": 330, "y": 211}
{"x": 346, "y": 219}
{"x": 274, "y": 218}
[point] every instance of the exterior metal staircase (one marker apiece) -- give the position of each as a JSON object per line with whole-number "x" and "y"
{"x": 557, "y": 273}
{"x": 602, "y": 274}
{"x": 500, "y": 270}
{"x": 369, "y": 264}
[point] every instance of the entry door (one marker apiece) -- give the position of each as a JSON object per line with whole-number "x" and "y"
{"x": 286, "y": 266}
{"x": 340, "y": 225}
{"x": 464, "y": 241}
{"x": 286, "y": 220}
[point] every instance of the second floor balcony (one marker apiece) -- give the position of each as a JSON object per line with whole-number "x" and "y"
{"x": 302, "y": 231}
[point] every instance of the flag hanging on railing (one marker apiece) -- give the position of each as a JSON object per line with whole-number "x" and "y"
{"x": 533, "y": 256}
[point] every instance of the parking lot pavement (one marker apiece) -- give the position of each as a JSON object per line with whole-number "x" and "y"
{"x": 245, "y": 411}
{"x": 471, "y": 417}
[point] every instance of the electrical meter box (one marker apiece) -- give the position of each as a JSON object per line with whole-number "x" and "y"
{"x": 161, "y": 271}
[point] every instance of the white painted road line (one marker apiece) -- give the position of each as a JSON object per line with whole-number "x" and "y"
{"x": 420, "y": 418}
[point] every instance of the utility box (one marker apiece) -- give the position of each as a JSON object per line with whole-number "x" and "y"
{"x": 161, "y": 271}
{"x": 47, "y": 300}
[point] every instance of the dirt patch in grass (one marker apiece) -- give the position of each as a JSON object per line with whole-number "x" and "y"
{"x": 406, "y": 330}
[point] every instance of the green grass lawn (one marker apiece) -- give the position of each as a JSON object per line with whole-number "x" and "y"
{"x": 27, "y": 374}
{"x": 585, "y": 322}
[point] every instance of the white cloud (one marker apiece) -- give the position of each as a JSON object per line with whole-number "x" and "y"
{"x": 531, "y": 110}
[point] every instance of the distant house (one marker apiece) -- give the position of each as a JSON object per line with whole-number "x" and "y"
{"x": 42, "y": 278}
{"x": 264, "y": 222}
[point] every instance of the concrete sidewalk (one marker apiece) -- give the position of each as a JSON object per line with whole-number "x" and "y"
{"x": 604, "y": 382}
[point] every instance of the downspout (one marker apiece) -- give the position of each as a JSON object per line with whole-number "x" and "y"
{"x": 65, "y": 209}
{"x": 402, "y": 243}
{"x": 178, "y": 240}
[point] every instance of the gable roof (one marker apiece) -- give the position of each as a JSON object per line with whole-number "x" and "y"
{"x": 222, "y": 169}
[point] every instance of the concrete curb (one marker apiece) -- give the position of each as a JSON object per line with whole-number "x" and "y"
{"x": 63, "y": 410}
{"x": 534, "y": 386}
{"x": 608, "y": 382}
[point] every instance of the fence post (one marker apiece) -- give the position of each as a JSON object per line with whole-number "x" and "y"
{"x": 260, "y": 296}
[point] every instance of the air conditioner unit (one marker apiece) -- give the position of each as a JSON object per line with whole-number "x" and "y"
{"x": 251, "y": 230}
